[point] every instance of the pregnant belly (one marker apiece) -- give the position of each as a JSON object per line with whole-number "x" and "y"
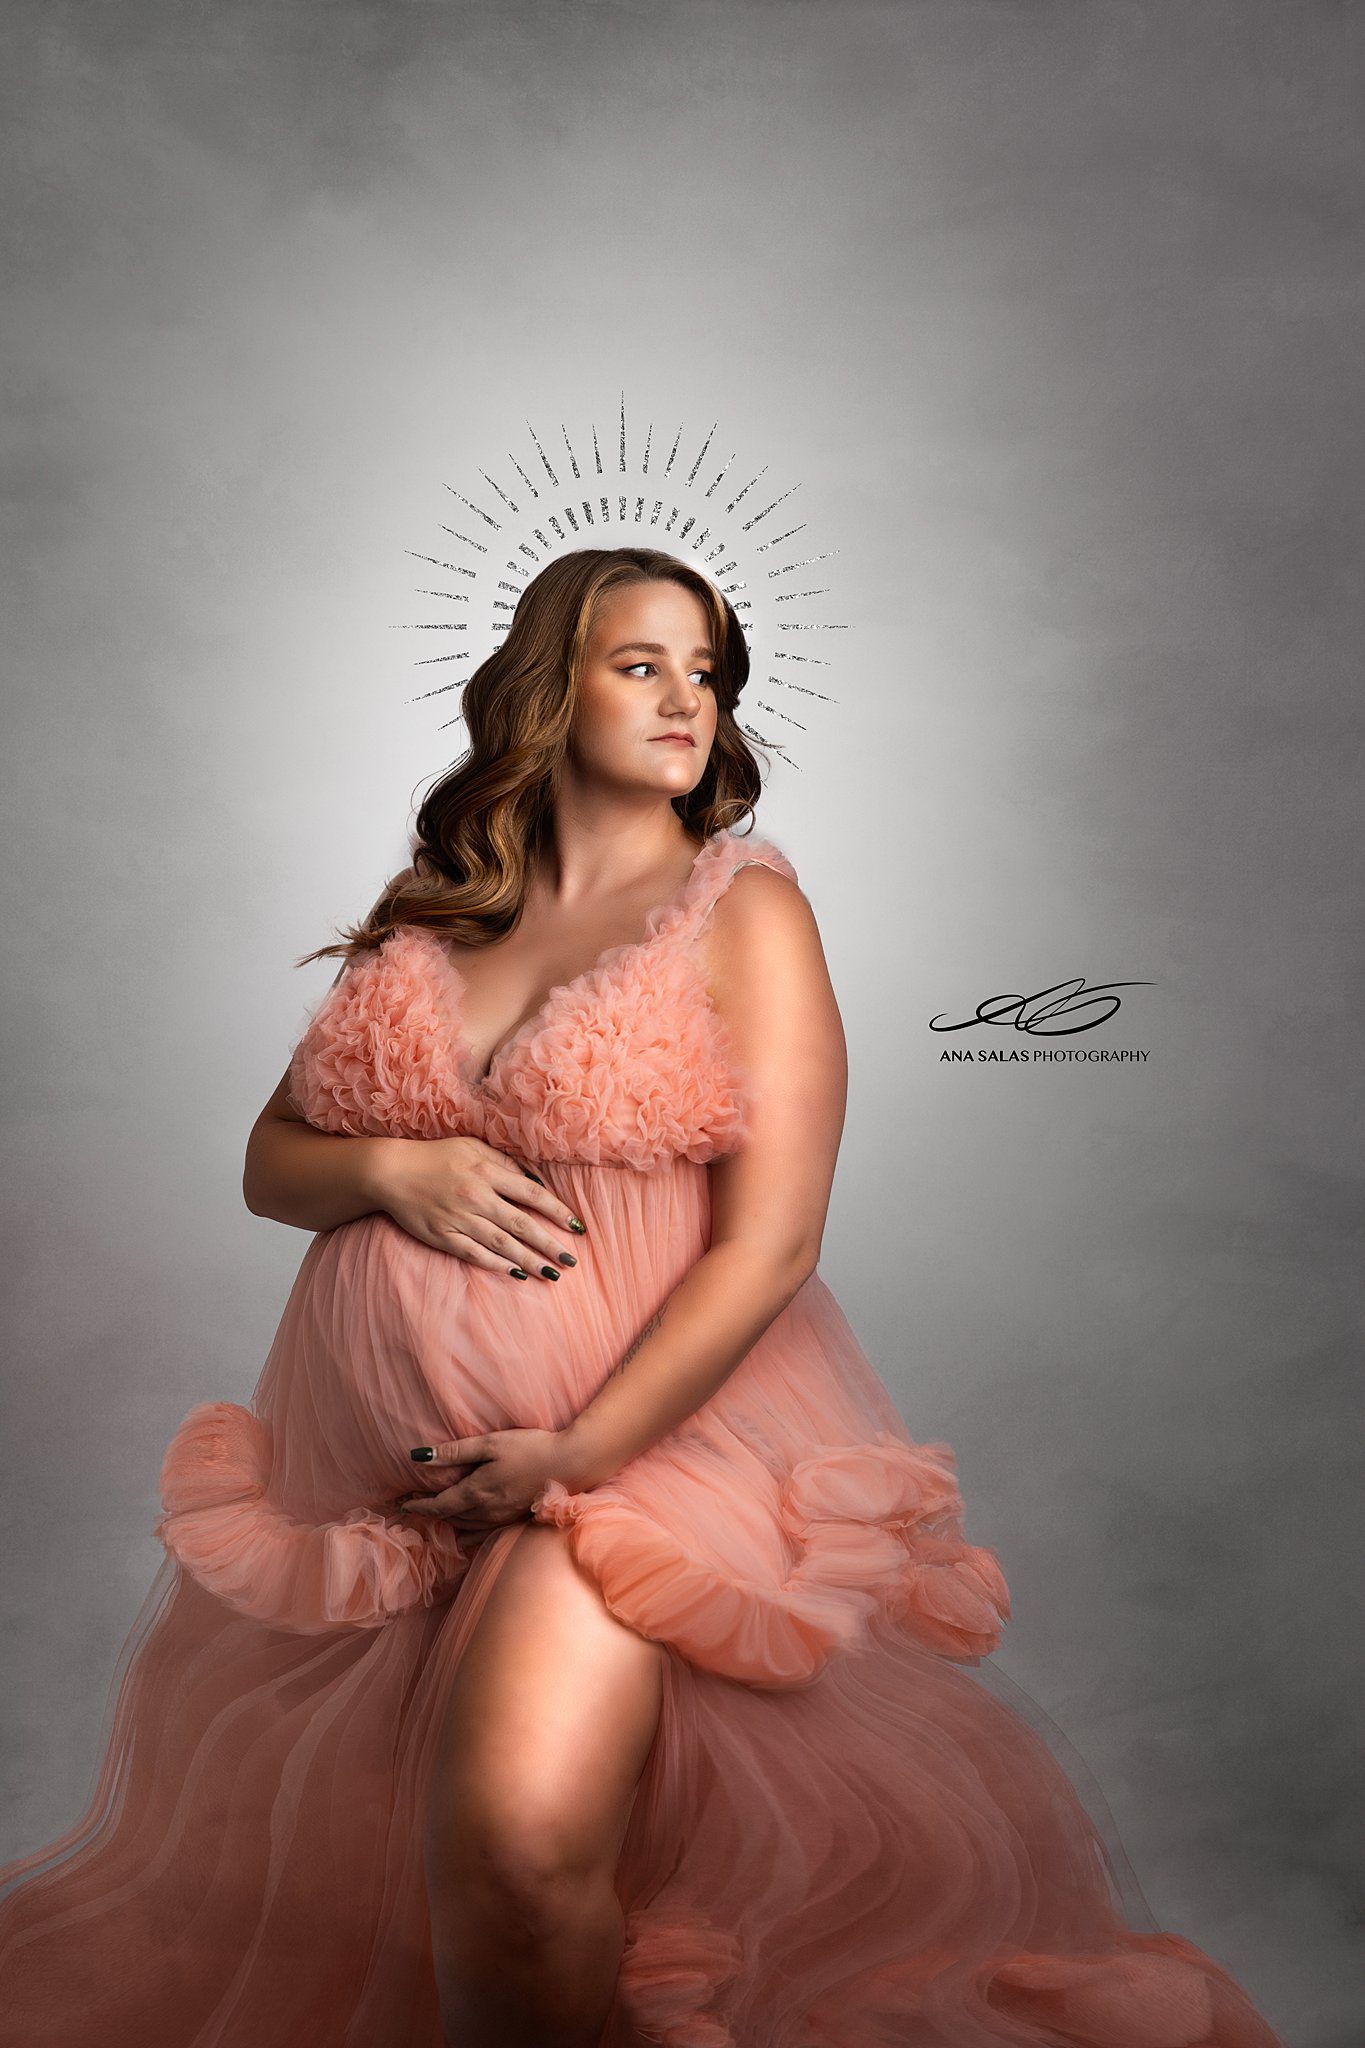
{"x": 386, "y": 1342}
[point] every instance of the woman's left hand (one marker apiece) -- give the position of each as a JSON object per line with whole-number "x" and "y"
{"x": 505, "y": 1470}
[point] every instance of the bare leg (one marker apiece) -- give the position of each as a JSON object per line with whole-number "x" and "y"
{"x": 551, "y": 1717}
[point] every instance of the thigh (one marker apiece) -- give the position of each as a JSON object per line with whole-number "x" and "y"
{"x": 549, "y": 1723}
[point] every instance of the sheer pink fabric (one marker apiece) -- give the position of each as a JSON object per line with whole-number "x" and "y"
{"x": 842, "y": 1839}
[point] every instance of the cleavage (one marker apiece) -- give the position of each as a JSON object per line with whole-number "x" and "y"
{"x": 502, "y": 987}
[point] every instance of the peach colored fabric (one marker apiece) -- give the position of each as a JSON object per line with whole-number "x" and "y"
{"x": 842, "y": 1839}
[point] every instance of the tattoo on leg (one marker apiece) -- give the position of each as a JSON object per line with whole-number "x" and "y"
{"x": 651, "y": 1325}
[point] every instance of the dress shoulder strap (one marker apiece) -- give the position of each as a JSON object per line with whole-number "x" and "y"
{"x": 719, "y": 861}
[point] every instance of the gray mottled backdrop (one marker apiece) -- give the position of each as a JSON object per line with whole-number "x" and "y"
{"x": 1054, "y": 312}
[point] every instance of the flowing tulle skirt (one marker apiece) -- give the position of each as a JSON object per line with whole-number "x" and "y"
{"x": 845, "y": 1835}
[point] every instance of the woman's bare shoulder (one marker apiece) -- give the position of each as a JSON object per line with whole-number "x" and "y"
{"x": 762, "y": 946}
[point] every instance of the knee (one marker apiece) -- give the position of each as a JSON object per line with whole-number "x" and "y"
{"x": 526, "y": 1863}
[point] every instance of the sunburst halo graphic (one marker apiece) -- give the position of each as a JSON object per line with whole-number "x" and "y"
{"x": 752, "y": 543}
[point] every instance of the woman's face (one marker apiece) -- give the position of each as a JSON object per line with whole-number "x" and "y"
{"x": 647, "y": 679}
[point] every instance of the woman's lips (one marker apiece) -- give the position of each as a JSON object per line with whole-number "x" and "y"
{"x": 678, "y": 739}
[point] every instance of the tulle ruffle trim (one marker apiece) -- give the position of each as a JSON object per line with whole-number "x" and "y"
{"x": 679, "y": 1972}
{"x": 875, "y": 1527}
{"x": 221, "y": 1525}
{"x": 674, "y": 1964}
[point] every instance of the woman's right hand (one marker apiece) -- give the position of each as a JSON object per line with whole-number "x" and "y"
{"x": 464, "y": 1197}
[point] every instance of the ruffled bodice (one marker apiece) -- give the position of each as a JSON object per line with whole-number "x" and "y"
{"x": 628, "y": 1064}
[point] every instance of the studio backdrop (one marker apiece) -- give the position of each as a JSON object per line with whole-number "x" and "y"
{"x": 1002, "y": 363}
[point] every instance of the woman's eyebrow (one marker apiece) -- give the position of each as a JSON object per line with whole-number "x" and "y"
{"x": 652, "y": 647}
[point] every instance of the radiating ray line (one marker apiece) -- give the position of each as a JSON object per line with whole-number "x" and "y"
{"x": 455, "y": 568}
{"x": 806, "y": 626}
{"x": 658, "y": 508}
{"x": 522, "y": 474}
{"x": 431, "y": 660}
{"x": 623, "y": 435}
{"x": 639, "y": 510}
{"x": 804, "y": 563}
{"x": 747, "y": 488}
{"x": 806, "y": 691}
{"x": 649, "y": 436}
{"x": 501, "y": 493}
{"x": 776, "y": 745}
{"x": 692, "y": 473}
{"x": 457, "y": 683}
{"x": 515, "y": 588}
{"x": 781, "y": 714}
{"x": 569, "y": 515}
{"x": 768, "y": 508}
{"x": 606, "y": 511}
{"x": 716, "y": 479}
{"x": 587, "y": 512}
{"x": 451, "y": 596}
{"x": 622, "y": 514}
{"x": 573, "y": 459}
{"x": 761, "y": 546}
{"x": 787, "y": 596}
{"x": 687, "y": 526}
{"x": 553, "y": 520}
{"x": 487, "y": 516}
{"x": 596, "y": 451}
{"x": 672, "y": 451}
{"x": 543, "y": 456}
{"x": 455, "y": 534}
{"x": 815, "y": 660}
{"x": 443, "y": 626}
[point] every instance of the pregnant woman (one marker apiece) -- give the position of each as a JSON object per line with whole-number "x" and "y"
{"x": 570, "y": 1645}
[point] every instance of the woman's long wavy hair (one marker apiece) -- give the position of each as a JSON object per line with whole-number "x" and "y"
{"x": 480, "y": 827}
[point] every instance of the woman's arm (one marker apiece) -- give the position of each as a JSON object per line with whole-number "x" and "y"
{"x": 456, "y": 1194}
{"x": 771, "y": 984}
{"x": 312, "y": 1179}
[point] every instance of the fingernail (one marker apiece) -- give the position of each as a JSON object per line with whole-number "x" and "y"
{"x": 423, "y": 1455}
{"x": 518, "y": 1272}
{"x": 548, "y": 1273}
{"x": 566, "y": 1258}
{"x": 533, "y": 1176}
{"x": 581, "y": 1228}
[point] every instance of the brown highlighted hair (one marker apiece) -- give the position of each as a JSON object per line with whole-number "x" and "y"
{"x": 481, "y": 825}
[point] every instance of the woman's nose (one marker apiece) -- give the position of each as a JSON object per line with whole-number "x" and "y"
{"x": 683, "y": 692}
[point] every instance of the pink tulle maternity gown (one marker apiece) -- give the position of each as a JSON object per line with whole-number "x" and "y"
{"x": 842, "y": 1838}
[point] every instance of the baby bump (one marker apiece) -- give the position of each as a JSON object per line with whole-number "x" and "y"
{"x": 386, "y": 1342}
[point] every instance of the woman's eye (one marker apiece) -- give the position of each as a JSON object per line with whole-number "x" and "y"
{"x": 636, "y": 667}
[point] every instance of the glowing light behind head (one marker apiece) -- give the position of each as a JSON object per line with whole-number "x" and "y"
{"x": 732, "y": 525}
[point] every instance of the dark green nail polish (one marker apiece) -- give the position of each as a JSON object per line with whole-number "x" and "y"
{"x": 566, "y": 1258}
{"x": 581, "y": 1228}
{"x": 548, "y": 1273}
{"x": 518, "y": 1272}
{"x": 423, "y": 1455}
{"x": 533, "y": 1176}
